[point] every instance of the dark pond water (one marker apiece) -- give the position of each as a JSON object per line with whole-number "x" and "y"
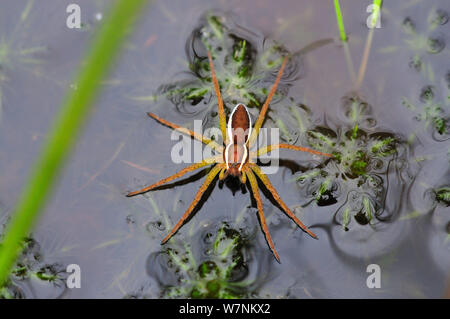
{"x": 383, "y": 199}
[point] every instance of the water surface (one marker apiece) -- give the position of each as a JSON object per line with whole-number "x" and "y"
{"x": 384, "y": 205}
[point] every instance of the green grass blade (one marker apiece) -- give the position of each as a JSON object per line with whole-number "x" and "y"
{"x": 340, "y": 21}
{"x": 66, "y": 127}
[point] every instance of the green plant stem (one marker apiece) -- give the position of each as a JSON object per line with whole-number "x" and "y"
{"x": 365, "y": 59}
{"x": 66, "y": 127}
{"x": 344, "y": 39}
{"x": 349, "y": 61}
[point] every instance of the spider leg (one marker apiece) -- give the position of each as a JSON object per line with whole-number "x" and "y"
{"x": 209, "y": 178}
{"x": 262, "y": 114}
{"x": 269, "y": 148}
{"x": 243, "y": 177}
{"x": 262, "y": 219}
{"x": 263, "y": 177}
{"x": 222, "y": 118}
{"x": 193, "y": 167}
{"x": 223, "y": 173}
{"x": 189, "y": 132}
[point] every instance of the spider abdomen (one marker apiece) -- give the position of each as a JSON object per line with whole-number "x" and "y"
{"x": 239, "y": 128}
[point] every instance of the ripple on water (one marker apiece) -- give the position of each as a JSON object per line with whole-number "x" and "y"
{"x": 33, "y": 276}
{"x": 246, "y": 64}
{"x": 217, "y": 263}
{"x": 364, "y": 181}
{"x": 439, "y": 242}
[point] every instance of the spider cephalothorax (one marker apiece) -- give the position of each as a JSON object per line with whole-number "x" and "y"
{"x": 234, "y": 158}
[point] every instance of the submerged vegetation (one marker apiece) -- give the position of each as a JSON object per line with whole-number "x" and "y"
{"x": 359, "y": 172}
{"x": 218, "y": 276}
{"x": 433, "y": 112}
{"x": 424, "y": 42}
{"x": 365, "y": 183}
{"x": 443, "y": 195}
{"x": 31, "y": 266}
{"x": 17, "y": 54}
{"x": 209, "y": 260}
{"x": 246, "y": 66}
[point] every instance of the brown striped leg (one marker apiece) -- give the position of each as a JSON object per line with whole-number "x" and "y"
{"x": 269, "y": 148}
{"x": 222, "y": 118}
{"x": 262, "y": 219}
{"x": 263, "y": 177}
{"x": 265, "y": 107}
{"x": 189, "y": 132}
{"x": 193, "y": 167}
{"x": 209, "y": 178}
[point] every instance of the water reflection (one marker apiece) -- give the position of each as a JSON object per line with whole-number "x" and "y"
{"x": 381, "y": 200}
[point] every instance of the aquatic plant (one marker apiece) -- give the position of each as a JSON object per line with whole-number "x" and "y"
{"x": 210, "y": 259}
{"x": 246, "y": 65}
{"x": 375, "y": 16}
{"x": 15, "y": 53}
{"x": 428, "y": 42}
{"x": 216, "y": 276}
{"x": 358, "y": 172}
{"x": 423, "y": 47}
{"x": 442, "y": 195}
{"x": 431, "y": 112}
{"x": 32, "y": 265}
